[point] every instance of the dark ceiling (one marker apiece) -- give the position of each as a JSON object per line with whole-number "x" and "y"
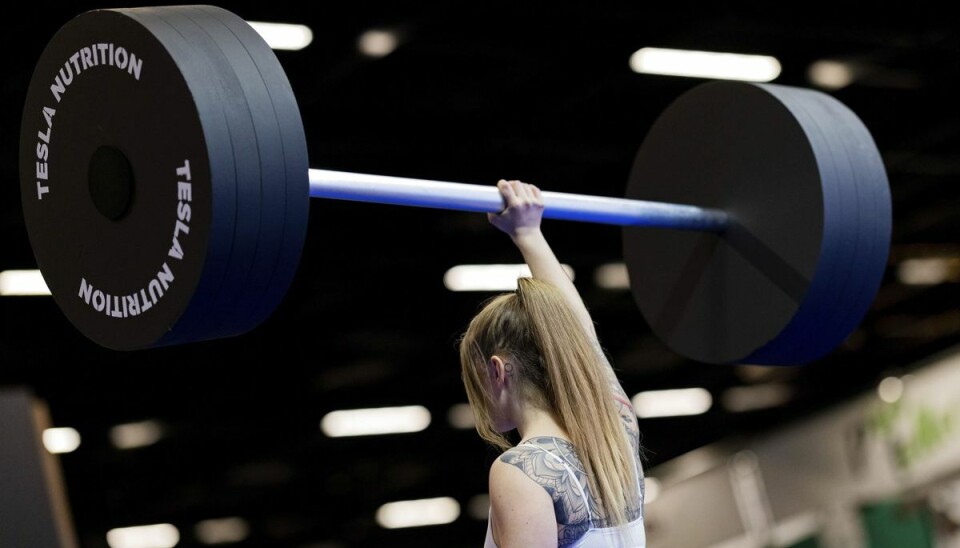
{"x": 475, "y": 92}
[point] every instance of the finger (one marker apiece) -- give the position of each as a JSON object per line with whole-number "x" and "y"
{"x": 502, "y": 186}
{"x": 523, "y": 192}
{"x": 532, "y": 195}
{"x": 510, "y": 196}
{"x": 537, "y": 197}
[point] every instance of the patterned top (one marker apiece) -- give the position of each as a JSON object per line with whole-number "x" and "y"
{"x": 553, "y": 463}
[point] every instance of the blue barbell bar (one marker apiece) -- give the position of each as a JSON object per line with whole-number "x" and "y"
{"x": 383, "y": 189}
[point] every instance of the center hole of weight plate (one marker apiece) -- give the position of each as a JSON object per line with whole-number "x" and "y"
{"x": 110, "y": 178}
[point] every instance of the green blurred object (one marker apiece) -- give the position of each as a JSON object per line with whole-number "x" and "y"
{"x": 809, "y": 542}
{"x": 898, "y": 524}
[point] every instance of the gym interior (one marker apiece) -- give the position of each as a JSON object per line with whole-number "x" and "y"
{"x": 334, "y": 414}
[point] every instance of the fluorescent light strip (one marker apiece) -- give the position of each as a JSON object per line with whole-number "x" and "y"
{"x": 739, "y": 399}
{"x": 136, "y": 434}
{"x": 612, "y": 276}
{"x": 162, "y": 535}
{"x": 377, "y": 43}
{"x": 461, "y": 416}
{"x": 382, "y": 420}
{"x": 61, "y": 440}
{"x": 222, "y": 531}
{"x": 417, "y": 513}
{"x": 22, "y": 283}
{"x": 832, "y": 75}
{"x": 928, "y": 270}
{"x": 672, "y": 403}
{"x": 489, "y": 277}
{"x": 283, "y": 35}
{"x": 705, "y": 64}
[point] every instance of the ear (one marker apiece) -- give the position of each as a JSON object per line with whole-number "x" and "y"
{"x": 497, "y": 369}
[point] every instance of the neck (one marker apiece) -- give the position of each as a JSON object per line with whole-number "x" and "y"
{"x": 533, "y": 422}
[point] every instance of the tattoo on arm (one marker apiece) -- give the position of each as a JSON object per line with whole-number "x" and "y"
{"x": 624, "y": 408}
{"x": 543, "y": 468}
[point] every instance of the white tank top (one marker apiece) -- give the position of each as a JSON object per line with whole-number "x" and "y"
{"x": 633, "y": 533}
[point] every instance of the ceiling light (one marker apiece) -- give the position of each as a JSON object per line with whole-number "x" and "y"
{"x": 381, "y": 420}
{"x": 705, "y": 64}
{"x": 377, "y": 43}
{"x": 672, "y": 403}
{"x": 61, "y": 440}
{"x": 612, "y": 276}
{"x": 222, "y": 531}
{"x": 830, "y": 75}
{"x": 489, "y": 277}
{"x": 136, "y": 434}
{"x": 417, "y": 513}
{"x": 22, "y": 283}
{"x": 283, "y": 35}
{"x": 928, "y": 270}
{"x": 162, "y": 535}
{"x": 739, "y": 399}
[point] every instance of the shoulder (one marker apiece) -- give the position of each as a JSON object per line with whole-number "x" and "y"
{"x": 509, "y": 473}
{"x": 519, "y": 468}
{"x": 520, "y": 456}
{"x": 521, "y": 510}
{"x": 527, "y": 471}
{"x": 537, "y": 464}
{"x": 537, "y": 461}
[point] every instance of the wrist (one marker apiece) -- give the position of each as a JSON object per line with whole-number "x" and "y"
{"x": 527, "y": 236}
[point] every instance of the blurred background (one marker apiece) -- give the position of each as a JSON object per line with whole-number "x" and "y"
{"x": 221, "y": 442}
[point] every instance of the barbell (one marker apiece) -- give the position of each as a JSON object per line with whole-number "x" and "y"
{"x": 165, "y": 189}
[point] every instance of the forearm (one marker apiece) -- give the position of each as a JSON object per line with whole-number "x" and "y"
{"x": 545, "y": 266}
{"x": 520, "y": 219}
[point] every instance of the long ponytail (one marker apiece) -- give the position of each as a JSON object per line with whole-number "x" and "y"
{"x": 559, "y": 370}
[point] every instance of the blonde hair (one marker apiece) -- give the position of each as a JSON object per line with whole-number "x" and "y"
{"x": 557, "y": 369}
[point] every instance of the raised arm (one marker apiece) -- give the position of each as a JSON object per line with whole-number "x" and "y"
{"x": 521, "y": 221}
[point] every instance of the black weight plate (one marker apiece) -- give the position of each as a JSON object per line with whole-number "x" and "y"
{"x": 158, "y": 116}
{"x": 778, "y": 287}
{"x": 273, "y": 224}
{"x": 842, "y": 143}
{"x": 231, "y": 302}
{"x": 296, "y": 164}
